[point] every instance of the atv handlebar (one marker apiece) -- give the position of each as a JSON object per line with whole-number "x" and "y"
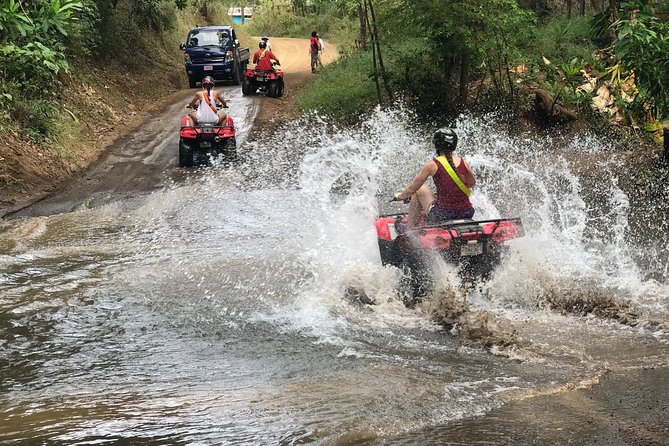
{"x": 218, "y": 107}
{"x": 405, "y": 201}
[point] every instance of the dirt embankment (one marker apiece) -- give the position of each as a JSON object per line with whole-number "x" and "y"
{"x": 104, "y": 106}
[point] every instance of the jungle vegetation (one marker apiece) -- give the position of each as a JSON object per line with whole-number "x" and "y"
{"x": 438, "y": 55}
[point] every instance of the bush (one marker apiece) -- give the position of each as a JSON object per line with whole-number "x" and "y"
{"x": 342, "y": 88}
{"x": 330, "y": 22}
{"x": 560, "y": 40}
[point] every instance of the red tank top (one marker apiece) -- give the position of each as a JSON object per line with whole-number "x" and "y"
{"x": 449, "y": 195}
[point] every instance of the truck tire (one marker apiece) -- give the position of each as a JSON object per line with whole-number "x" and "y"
{"x": 235, "y": 75}
{"x": 192, "y": 83}
{"x": 247, "y": 90}
{"x": 185, "y": 155}
{"x": 273, "y": 90}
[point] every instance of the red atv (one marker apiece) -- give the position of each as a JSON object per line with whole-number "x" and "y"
{"x": 197, "y": 144}
{"x": 267, "y": 82}
{"x": 475, "y": 246}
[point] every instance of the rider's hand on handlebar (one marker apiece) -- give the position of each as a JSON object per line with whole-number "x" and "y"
{"x": 396, "y": 197}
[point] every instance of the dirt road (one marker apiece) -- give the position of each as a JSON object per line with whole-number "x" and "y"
{"x": 146, "y": 158}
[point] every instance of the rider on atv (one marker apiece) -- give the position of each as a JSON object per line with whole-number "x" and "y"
{"x": 204, "y": 103}
{"x": 263, "y": 57}
{"x": 453, "y": 178}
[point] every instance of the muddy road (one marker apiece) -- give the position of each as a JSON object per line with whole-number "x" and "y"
{"x": 142, "y": 161}
{"x": 146, "y": 159}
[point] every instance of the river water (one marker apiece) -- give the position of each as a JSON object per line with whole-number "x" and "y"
{"x": 214, "y": 310}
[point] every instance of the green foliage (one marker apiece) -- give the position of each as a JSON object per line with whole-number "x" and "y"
{"x": 33, "y": 64}
{"x": 343, "y": 88}
{"x": 157, "y": 15}
{"x": 561, "y": 40}
{"x": 32, "y": 56}
{"x": 642, "y": 44}
{"x": 330, "y": 19}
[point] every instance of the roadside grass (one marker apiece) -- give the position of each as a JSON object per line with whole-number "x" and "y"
{"x": 561, "y": 40}
{"x": 343, "y": 88}
{"x": 332, "y": 27}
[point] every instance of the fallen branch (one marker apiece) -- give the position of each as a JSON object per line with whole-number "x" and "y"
{"x": 547, "y": 109}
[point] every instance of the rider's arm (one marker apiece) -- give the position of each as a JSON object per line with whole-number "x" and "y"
{"x": 428, "y": 170}
{"x": 255, "y": 58}
{"x": 277, "y": 61}
{"x": 194, "y": 100}
{"x": 221, "y": 99}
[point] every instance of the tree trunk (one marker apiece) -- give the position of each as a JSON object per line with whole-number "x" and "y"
{"x": 581, "y": 8}
{"x": 613, "y": 16}
{"x": 384, "y": 76}
{"x": 569, "y": 9}
{"x": 665, "y": 154}
{"x": 362, "y": 14}
{"x": 375, "y": 73}
{"x": 464, "y": 75}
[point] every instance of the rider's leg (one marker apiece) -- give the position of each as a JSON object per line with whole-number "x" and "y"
{"x": 222, "y": 118}
{"x": 420, "y": 201}
{"x": 193, "y": 118}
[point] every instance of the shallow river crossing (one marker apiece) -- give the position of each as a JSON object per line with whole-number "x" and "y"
{"x": 213, "y": 310}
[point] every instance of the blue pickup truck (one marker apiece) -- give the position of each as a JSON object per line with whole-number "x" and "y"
{"x": 214, "y": 51}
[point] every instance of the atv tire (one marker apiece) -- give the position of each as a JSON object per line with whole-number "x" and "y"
{"x": 273, "y": 90}
{"x": 192, "y": 83}
{"x": 281, "y": 88}
{"x": 415, "y": 282}
{"x": 185, "y": 155}
{"x": 246, "y": 87}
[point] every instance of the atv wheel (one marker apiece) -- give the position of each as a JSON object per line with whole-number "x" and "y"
{"x": 415, "y": 283}
{"x": 273, "y": 90}
{"x": 246, "y": 87}
{"x": 481, "y": 267}
{"x": 281, "y": 87}
{"x": 389, "y": 253}
{"x": 185, "y": 155}
{"x": 192, "y": 83}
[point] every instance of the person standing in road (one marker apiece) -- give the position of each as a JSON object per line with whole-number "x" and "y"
{"x": 266, "y": 40}
{"x": 314, "y": 50}
{"x": 263, "y": 58}
{"x": 321, "y": 50}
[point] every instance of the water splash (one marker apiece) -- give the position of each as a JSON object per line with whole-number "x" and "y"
{"x": 575, "y": 230}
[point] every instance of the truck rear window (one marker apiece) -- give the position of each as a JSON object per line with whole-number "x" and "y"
{"x": 207, "y": 38}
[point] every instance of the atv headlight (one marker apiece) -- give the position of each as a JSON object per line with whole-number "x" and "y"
{"x": 228, "y": 56}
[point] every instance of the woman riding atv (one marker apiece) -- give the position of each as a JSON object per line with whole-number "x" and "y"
{"x": 204, "y": 103}
{"x": 453, "y": 178}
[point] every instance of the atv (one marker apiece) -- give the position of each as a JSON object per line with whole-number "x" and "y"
{"x": 476, "y": 247}
{"x": 197, "y": 144}
{"x": 266, "y": 82}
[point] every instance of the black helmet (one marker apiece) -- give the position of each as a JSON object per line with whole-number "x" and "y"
{"x": 262, "y": 44}
{"x": 208, "y": 82}
{"x": 445, "y": 139}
